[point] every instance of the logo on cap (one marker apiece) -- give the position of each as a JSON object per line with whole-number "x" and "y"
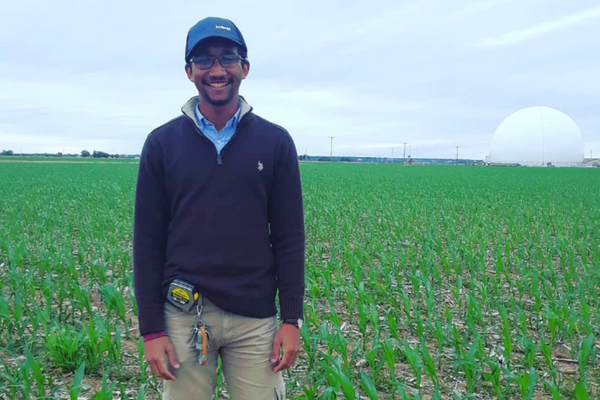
{"x": 222, "y": 27}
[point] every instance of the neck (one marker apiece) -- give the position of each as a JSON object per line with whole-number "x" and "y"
{"x": 218, "y": 115}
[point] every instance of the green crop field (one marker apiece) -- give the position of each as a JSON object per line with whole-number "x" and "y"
{"x": 422, "y": 283}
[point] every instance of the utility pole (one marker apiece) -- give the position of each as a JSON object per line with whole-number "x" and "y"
{"x": 404, "y": 154}
{"x": 456, "y": 161}
{"x": 392, "y": 156}
{"x": 305, "y": 154}
{"x": 331, "y": 149}
{"x": 591, "y": 153}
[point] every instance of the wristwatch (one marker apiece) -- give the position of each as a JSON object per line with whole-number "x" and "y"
{"x": 297, "y": 322}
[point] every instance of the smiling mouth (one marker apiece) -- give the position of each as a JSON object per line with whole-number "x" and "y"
{"x": 217, "y": 84}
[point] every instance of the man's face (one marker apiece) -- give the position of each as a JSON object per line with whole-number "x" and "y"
{"x": 217, "y": 86}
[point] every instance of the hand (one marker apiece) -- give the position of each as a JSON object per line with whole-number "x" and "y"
{"x": 288, "y": 337}
{"x": 154, "y": 353}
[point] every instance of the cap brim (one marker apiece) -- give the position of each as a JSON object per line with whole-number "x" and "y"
{"x": 235, "y": 42}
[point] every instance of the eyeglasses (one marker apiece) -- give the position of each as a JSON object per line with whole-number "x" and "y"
{"x": 226, "y": 61}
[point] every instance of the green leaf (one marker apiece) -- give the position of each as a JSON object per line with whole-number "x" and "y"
{"x": 580, "y": 392}
{"x": 76, "y": 387}
{"x": 368, "y": 386}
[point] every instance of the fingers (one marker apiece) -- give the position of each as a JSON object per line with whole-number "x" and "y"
{"x": 289, "y": 358}
{"x": 164, "y": 371}
{"x": 172, "y": 357}
{"x": 276, "y": 353}
{"x": 155, "y": 351}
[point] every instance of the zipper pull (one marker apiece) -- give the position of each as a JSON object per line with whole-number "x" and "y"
{"x": 219, "y": 160}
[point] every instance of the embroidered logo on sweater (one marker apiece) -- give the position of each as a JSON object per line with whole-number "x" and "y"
{"x": 260, "y": 166}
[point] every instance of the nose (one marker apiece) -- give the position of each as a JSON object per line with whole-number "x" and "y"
{"x": 217, "y": 69}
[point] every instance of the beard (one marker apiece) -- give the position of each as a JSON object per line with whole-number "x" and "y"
{"x": 218, "y": 103}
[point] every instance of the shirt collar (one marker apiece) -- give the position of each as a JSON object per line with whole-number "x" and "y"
{"x": 203, "y": 122}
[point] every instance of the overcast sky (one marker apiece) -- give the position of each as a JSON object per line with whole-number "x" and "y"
{"x": 436, "y": 74}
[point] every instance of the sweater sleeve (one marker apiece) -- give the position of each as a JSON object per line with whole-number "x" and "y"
{"x": 286, "y": 218}
{"x": 151, "y": 221}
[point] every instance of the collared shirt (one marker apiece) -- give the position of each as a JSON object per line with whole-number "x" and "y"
{"x": 219, "y": 139}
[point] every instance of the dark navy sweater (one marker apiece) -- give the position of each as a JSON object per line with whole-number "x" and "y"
{"x": 231, "y": 224}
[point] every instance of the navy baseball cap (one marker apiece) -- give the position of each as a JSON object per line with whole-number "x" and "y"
{"x": 213, "y": 27}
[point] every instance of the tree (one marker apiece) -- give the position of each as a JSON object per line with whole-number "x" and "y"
{"x": 85, "y": 153}
{"x": 99, "y": 154}
{"x": 6, "y": 153}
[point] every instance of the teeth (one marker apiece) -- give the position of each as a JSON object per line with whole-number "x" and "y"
{"x": 217, "y": 84}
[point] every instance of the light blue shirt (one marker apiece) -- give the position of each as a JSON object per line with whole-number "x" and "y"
{"x": 219, "y": 139}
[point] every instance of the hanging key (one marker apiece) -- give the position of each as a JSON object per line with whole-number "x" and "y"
{"x": 193, "y": 335}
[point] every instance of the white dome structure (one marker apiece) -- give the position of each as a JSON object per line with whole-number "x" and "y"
{"x": 537, "y": 136}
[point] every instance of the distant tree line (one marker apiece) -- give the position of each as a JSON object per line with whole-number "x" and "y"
{"x": 84, "y": 154}
{"x": 389, "y": 160}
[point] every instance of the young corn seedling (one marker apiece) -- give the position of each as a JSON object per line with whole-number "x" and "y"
{"x": 368, "y": 386}
{"x": 389, "y": 354}
{"x": 76, "y": 387}
{"x": 586, "y": 350}
{"x": 106, "y": 393}
{"x": 412, "y": 356}
{"x": 526, "y": 382}
{"x": 340, "y": 344}
{"x": 438, "y": 332}
{"x": 142, "y": 363}
{"x": 470, "y": 365}
{"x": 333, "y": 317}
{"x": 430, "y": 368}
{"x": 337, "y": 378}
{"x": 36, "y": 369}
{"x": 493, "y": 377}
{"x": 375, "y": 362}
{"x": 546, "y": 353}
{"x": 506, "y": 337}
{"x": 26, "y": 382}
{"x": 393, "y": 326}
{"x": 529, "y": 350}
{"x": 554, "y": 389}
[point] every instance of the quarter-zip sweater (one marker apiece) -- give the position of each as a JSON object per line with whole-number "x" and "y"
{"x": 230, "y": 223}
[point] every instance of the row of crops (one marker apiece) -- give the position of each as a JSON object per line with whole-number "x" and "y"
{"x": 422, "y": 283}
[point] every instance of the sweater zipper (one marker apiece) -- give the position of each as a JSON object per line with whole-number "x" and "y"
{"x": 219, "y": 158}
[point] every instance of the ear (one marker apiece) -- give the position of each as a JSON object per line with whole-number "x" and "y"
{"x": 245, "y": 69}
{"x": 188, "y": 71}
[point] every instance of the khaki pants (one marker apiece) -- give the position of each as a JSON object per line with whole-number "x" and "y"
{"x": 244, "y": 345}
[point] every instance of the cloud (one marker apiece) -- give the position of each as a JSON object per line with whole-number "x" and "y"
{"x": 478, "y": 7}
{"x": 515, "y": 37}
{"x": 375, "y": 76}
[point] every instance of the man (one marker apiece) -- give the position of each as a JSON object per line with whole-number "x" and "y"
{"x": 218, "y": 218}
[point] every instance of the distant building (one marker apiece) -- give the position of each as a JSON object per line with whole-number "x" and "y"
{"x": 591, "y": 162}
{"x": 537, "y": 136}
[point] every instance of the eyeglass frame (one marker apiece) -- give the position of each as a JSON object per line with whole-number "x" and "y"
{"x": 239, "y": 58}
